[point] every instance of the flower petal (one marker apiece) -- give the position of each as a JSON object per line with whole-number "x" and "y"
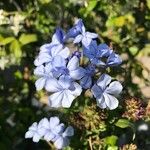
{"x": 36, "y": 138}
{"x": 39, "y": 71}
{"x": 111, "y": 101}
{"x": 52, "y": 85}
{"x": 54, "y": 121}
{"x": 114, "y": 88}
{"x": 91, "y": 35}
{"x": 67, "y": 99}
{"x": 56, "y": 99}
{"x": 73, "y": 64}
{"x": 61, "y": 142}
{"x": 29, "y": 134}
{"x": 69, "y": 131}
{"x": 78, "y": 38}
{"x": 103, "y": 81}
{"x": 77, "y": 74}
{"x": 86, "y": 82}
{"x": 97, "y": 91}
{"x": 40, "y": 83}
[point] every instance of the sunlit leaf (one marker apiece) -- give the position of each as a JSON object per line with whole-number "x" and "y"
{"x": 7, "y": 40}
{"x": 123, "y": 123}
{"x": 16, "y": 48}
{"x": 111, "y": 140}
{"x": 27, "y": 38}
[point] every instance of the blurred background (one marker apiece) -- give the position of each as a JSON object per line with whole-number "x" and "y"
{"x": 27, "y": 24}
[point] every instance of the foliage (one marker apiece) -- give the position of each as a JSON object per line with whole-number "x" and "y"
{"x": 25, "y": 25}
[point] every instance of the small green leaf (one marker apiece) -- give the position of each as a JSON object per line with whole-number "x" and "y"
{"x": 133, "y": 50}
{"x": 111, "y": 140}
{"x": 123, "y": 123}
{"x": 27, "y": 38}
{"x": 16, "y": 48}
{"x": 7, "y": 40}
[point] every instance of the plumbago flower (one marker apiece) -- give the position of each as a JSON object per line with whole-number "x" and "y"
{"x": 51, "y": 130}
{"x": 65, "y": 91}
{"x": 61, "y": 74}
{"x": 105, "y": 92}
{"x": 97, "y": 54}
{"x": 80, "y": 35}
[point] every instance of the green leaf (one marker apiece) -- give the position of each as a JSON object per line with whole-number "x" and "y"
{"x": 111, "y": 140}
{"x": 133, "y": 50}
{"x": 27, "y": 38}
{"x": 15, "y": 48}
{"x": 112, "y": 148}
{"x": 123, "y": 123}
{"x": 7, "y": 40}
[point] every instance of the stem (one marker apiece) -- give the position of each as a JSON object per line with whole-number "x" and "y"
{"x": 90, "y": 143}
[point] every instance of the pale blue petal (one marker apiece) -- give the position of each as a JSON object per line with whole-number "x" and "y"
{"x": 56, "y": 99}
{"x": 86, "y": 82}
{"x": 73, "y": 64}
{"x": 54, "y": 121}
{"x": 42, "y": 58}
{"x": 36, "y": 138}
{"x": 40, "y": 83}
{"x": 59, "y": 129}
{"x": 64, "y": 52}
{"x": 114, "y": 60}
{"x": 29, "y": 134}
{"x": 86, "y": 41}
{"x": 49, "y": 136}
{"x": 56, "y": 50}
{"x": 97, "y": 91}
{"x": 61, "y": 142}
{"x": 67, "y": 99}
{"x": 77, "y": 74}
{"x": 52, "y": 85}
{"x": 69, "y": 131}
{"x": 65, "y": 81}
{"x": 77, "y": 91}
{"x": 58, "y": 61}
{"x": 58, "y": 36}
{"x": 103, "y": 81}
{"x": 78, "y": 38}
{"x": 114, "y": 88}
{"x": 91, "y": 35}
{"x": 39, "y": 71}
{"x": 101, "y": 102}
{"x": 111, "y": 101}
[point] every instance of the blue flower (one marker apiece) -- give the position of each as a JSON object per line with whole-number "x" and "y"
{"x": 50, "y": 53}
{"x": 86, "y": 81}
{"x": 101, "y": 55}
{"x": 78, "y": 32}
{"x": 63, "y": 140}
{"x": 44, "y": 74}
{"x": 50, "y": 130}
{"x": 33, "y": 132}
{"x": 71, "y": 69}
{"x": 105, "y": 92}
{"x": 64, "y": 91}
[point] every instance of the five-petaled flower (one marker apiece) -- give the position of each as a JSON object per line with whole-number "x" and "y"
{"x": 105, "y": 92}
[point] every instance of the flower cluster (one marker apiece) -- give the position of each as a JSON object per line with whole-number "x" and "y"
{"x": 62, "y": 75}
{"x": 50, "y": 130}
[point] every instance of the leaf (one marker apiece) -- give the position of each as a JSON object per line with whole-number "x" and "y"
{"x": 7, "y": 40}
{"x": 15, "y": 47}
{"x": 27, "y": 38}
{"x": 111, "y": 140}
{"x": 123, "y": 123}
{"x": 133, "y": 50}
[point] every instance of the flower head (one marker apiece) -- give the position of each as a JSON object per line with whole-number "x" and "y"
{"x": 101, "y": 55}
{"x": 80, "y": 35}
{"x": 64, "y": 91}
{"x": 50, "y": 130}
{"x": 105, "y": 92}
